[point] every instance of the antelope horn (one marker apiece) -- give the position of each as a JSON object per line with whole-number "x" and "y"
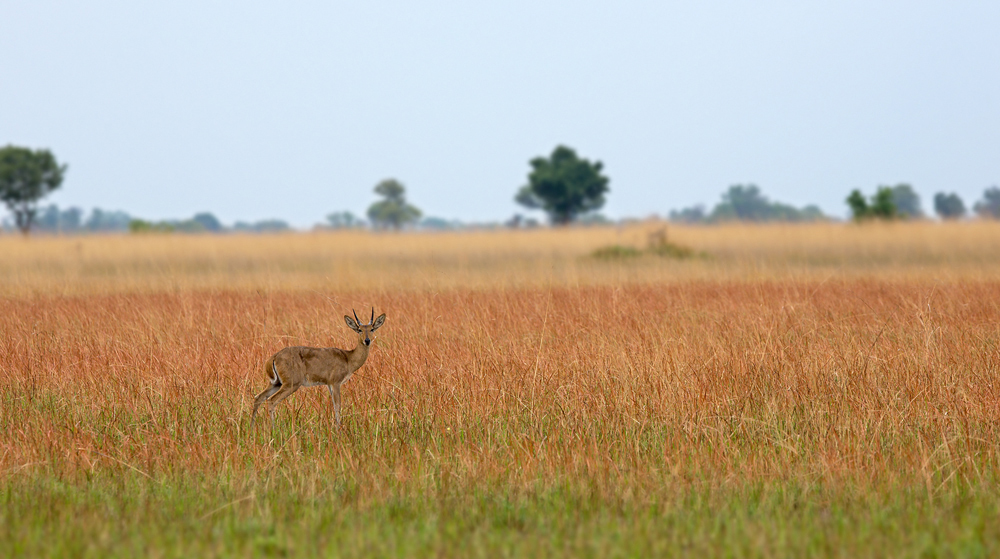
{"x": 356, "y": 321}
{"x": 372, "y": 321}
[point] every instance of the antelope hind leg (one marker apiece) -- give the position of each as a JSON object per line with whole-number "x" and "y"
{"x": 283, "y": 392}
{"x": 260, "y": 400}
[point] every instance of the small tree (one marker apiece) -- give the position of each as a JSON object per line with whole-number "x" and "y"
{"x": 859, "y": 206}
{"x": 948, "y": 206}
{"x": 393, "y": 211}
{"x": 262, "y": 226}
{"x": 881, "y": 205}
{"x": 343, "y": 220}
{"x": 693, "y": 214}
{"x": 101, "y": 220}
{"x": 564, "y": 186}
{"x": 989, "y": 206}
{"x": 208, "y": 221}
{"x": 884, "y": 203}
{"x": 744, "y": 203}
{"x": 25, "y": 178}
{"x": 58, "y": 221}
{"x": 905, "y": 200}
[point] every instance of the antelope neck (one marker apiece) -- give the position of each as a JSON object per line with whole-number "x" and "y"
{"x": 356, "y": 357}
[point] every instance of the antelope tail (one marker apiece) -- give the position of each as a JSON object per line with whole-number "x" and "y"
{"x": 272, "y": 375}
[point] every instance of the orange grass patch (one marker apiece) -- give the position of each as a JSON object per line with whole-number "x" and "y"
{"x": 626, "y": 389}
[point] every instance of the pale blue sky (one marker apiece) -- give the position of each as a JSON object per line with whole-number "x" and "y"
{"x": 292, "y": 110}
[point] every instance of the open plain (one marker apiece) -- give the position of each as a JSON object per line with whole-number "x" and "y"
{"x": 786, "y": 391}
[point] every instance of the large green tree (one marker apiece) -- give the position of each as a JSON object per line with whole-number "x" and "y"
{"x": 564, "y": 186}
{"x": 26, "y": 177}
{"x": 393, "y": 211}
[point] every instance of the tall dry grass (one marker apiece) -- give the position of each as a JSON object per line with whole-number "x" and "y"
{"x": 542, "y": 392}
{"x": 701, "y": 382}
{"x": 489, "y": 259}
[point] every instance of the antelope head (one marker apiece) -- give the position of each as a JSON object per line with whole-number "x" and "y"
{"x": 365, "y": 331}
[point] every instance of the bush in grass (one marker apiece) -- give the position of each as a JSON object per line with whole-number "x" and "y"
{"x": 656, "y": 244}
{"x": 615, "y": 252}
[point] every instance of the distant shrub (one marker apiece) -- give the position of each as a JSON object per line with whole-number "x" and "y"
{"x": 616, "y": 252}
{"x": 882, "y": 205}
{"x": 656, "y": 245}
{"x": 439, "y": 224}
{"x": 200, "y": 223}
{"x": 670, "y": 250}
{"x": 143, "y": 226}
{"x": 263, "y": 226}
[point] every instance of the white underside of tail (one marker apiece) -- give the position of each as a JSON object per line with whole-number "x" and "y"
{"x": 276, "y": 380}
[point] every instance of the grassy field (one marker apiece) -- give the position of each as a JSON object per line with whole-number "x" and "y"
{"x": 826, "y": 390}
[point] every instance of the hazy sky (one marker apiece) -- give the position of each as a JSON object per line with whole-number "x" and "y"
{"x": 293, "y": 110}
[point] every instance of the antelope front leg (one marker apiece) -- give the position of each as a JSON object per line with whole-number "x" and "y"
{"x": 335, "y": 396}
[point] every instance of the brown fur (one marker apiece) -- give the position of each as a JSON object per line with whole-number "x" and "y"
{"x": 310, "y": 366}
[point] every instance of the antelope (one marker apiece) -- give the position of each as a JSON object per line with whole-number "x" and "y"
{"x": 295, "y": 367}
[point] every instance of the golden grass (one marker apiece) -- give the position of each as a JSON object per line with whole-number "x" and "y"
{"x": 490, "y": 259}
{"x": 850, "y": 359}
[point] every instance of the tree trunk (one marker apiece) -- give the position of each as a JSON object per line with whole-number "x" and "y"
{"x": 23, "y": 219}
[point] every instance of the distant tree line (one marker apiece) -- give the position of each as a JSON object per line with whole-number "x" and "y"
{"x": 989, "y": 206}
{"x": 888, "y": 202}
{"x": 902, "y": 202}
{"x": 73, "y": 220}
{"x": 745, "y": 202}
{"x": 567, "y": 187}
{"x": 206, "y": 222}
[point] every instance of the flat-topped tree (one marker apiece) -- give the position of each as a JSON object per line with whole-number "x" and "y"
{"x": 26, "y": 177}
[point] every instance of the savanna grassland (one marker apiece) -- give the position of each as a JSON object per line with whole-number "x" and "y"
{"x": 784, "y": 391}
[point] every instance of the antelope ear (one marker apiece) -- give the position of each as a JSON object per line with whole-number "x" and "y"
{"x": 351, "y": 324}
{"x": 378, "y": 322}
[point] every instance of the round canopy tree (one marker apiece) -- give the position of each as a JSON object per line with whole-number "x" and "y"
{"x": 949, "y": 206}
{"x": 989, "y": 206}
{"x": 26, "y": 177}
{"x": 393, "y": 211}
{"x": 564, "y": 186}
